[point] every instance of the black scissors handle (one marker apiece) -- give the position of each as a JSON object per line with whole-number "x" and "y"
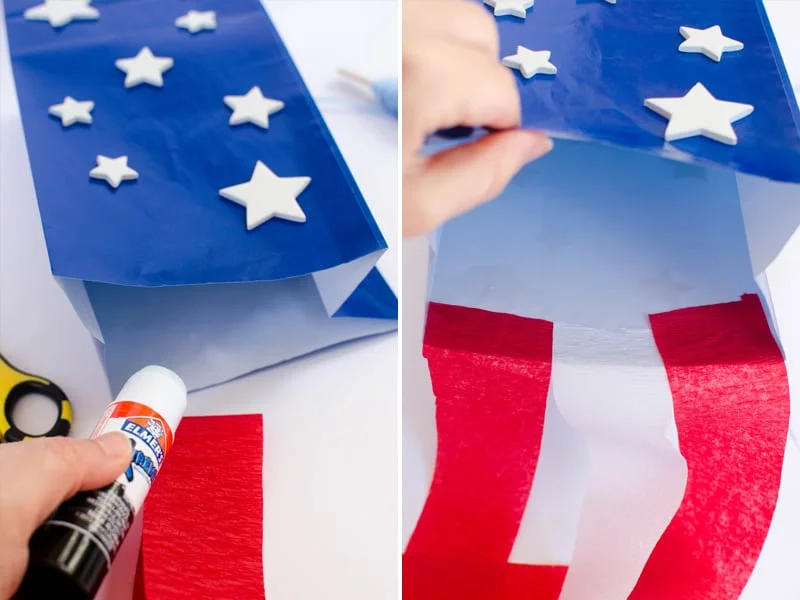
{"x": 50, "y": 390}
{"x": 16, "y": 385}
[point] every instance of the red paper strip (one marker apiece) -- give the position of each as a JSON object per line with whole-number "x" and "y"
{"x": 490, "y": 374}
{"x": 138, "y": 582}
{"x": 203, "y": 518}
{"x": 534, "y": 582}
{"x": 428, "y": 578}
{"x": 731, "y": 398}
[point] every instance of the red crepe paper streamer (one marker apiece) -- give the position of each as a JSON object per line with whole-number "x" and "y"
{"x": 731, "y": 398}
{"x": 138, "y": 582}
{"x": 533, "y": 582}
{"x": 203, "y": 519}
{"x": 426, "y": 578}
{"x": 490, "y": 374}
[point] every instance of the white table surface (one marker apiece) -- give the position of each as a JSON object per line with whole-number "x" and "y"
{"x": 331, "y": 419}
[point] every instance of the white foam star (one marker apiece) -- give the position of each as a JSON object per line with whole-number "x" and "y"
{"x": 253, "y": 108}
{"x": 113, "y": 170}
{"x": 196, "y": 20}
{"x": 709, "y": 41}
{"x": 144, "y": 68}
{"x": 531, "y": 62}
{"x": 62, "y": 12}
{"x": 516, "y": 8}
{"x": 268, "y": 196}
{"x": 699, "y": 113}
{"x": 72, "y": 111}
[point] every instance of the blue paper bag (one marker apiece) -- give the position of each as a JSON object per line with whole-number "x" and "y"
{"x": 163, "y": 269}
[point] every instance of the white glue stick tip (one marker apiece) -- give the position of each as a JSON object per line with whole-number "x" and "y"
{"x": 160, "y": 389}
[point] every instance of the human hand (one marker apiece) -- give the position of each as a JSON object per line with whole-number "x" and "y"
{"x": 451, "y": 77}
{"x": 36, "y": 476}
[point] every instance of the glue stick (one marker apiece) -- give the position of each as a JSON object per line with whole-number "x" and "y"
{"x": 71, "y": 553}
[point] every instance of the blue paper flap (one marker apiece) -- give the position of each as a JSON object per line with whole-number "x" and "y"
{"x": 170, "y": 227}
{"x": 610, "y": 58}
{"x": 372, "y": 299}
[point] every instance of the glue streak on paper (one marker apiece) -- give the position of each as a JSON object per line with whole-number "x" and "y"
{"x": 72, "y": 551}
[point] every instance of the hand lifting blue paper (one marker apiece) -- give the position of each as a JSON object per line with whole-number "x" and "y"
{"x": 162, "y": 269}
{"x": 577, "y": 216}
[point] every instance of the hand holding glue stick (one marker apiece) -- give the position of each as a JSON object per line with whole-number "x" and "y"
{"x": 36, "y": 476}
{"x": 72, "y": 549}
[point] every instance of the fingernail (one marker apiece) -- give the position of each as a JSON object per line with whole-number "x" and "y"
{"x": 115, "y": 444}
{"x": 540, "y": 147}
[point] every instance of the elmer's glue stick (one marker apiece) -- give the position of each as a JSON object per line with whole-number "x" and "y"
{"x": 71, "y": 553}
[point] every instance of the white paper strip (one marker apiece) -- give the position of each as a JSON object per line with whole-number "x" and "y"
{"x": 547, "y": 532}
{"x": 612, "y": 387}
{"x": 419, "y": 406}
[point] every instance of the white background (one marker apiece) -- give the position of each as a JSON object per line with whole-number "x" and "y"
{"x": 330, "y": 420}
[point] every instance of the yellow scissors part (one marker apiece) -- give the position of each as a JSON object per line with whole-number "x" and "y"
{"x": 15, "y": 385}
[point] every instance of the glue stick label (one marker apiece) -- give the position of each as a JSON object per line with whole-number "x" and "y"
{"x": 151, "y": 439}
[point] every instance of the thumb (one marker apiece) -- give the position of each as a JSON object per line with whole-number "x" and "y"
{"x": 456, "y": 180}
{"x": 37, "y": 475}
